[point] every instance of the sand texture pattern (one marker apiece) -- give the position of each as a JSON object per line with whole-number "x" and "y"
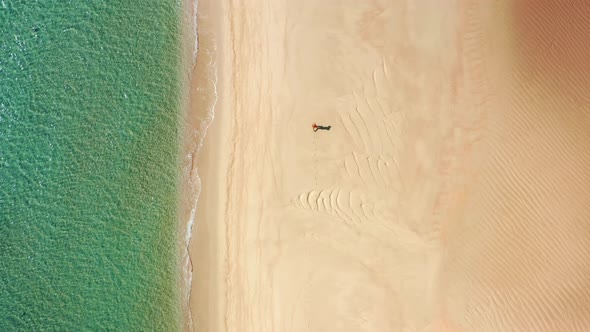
{"x": 452, "y": 192}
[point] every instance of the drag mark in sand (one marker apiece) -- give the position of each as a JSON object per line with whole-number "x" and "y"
{"x": 381, "y": 168}
{"x": 315, "y": 161}
{"x": 348, "y": 206}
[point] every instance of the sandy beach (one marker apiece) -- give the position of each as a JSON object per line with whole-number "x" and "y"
{"x": 451, "y": 192}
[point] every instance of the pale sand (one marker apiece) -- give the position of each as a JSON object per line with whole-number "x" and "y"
{"x": 452, "y": 193}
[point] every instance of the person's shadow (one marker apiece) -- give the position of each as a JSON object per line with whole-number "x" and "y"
{"x": 322, "y": 128}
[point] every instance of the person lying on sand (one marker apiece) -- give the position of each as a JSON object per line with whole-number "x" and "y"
{"x": 316, "y": 127}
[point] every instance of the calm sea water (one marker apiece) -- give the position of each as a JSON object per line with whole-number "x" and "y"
{"x": 89, "y": 141}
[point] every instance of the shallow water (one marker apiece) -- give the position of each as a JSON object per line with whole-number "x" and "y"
{"x": 89, "y": 141}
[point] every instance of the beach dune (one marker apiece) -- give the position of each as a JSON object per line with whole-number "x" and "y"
{"x": 450, "y": 193}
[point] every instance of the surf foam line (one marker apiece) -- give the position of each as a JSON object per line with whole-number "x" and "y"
{"x": 198, "y": 135}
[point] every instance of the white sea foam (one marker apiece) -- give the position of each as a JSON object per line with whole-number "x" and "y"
{"x": 197, "y": 137}
{"x": 195, "y": 27}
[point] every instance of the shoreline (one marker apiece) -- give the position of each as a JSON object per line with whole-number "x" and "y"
{"x": 202, "y": 158}
{"x": 186, "y": 187}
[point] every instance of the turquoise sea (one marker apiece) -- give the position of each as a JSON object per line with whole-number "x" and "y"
{"x": 90, "y": 102}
